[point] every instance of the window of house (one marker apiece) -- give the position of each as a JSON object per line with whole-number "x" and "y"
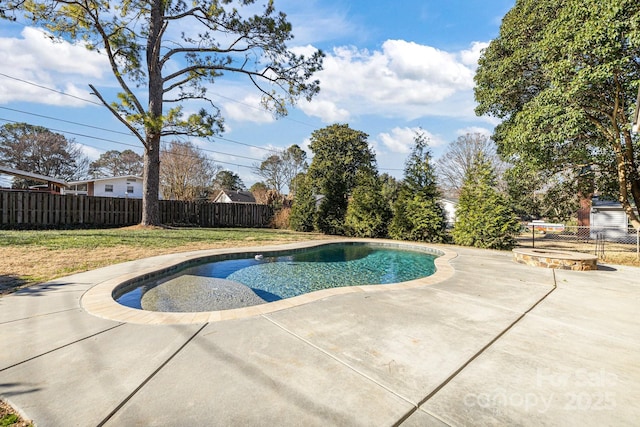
{"x": 108, "y": 188}
{"x": 130, "y": 189}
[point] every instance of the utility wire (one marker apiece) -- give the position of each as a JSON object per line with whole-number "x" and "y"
{"x": 129, "y": 145}
{"x": 66, "y": 121}
{"x": 51, "y": 89}
{"x": 96, "y": 103}
{"x": 137, "y": 146}
{"x": 130, "y": 134}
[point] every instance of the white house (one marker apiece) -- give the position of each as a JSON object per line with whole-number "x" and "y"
{"x": 120, "y": 186}
{"x": 450, "y": 207}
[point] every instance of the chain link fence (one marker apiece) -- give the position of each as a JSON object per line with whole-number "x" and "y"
{"x": 606, "y": 242}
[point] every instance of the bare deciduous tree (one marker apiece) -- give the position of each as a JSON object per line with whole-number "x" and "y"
{"x": 453, "y": 166}
{"x": 185, "y": 173}
{"x": 36, "y": 149}
{"x": 116, "y": 163}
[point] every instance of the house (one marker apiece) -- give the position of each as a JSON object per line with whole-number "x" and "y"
{"x": 609, "y": 220}
{"x": 51, "y": 185}
{"x": 227, "y": 196}
{"x": 450, "y": 206}
{"x": 121, "y": 186}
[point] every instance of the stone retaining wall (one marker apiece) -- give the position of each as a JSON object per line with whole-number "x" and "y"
{"x": 556, "y": 259}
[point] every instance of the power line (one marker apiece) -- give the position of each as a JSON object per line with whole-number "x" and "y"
{"x": 96, "y": 103}
{"x": 51, "y": 89}
{"x": 67, "y": 121}
{"x": 277, "y": 151}
{"x": 118, "y": 142}
{"x": 136, "y": 146}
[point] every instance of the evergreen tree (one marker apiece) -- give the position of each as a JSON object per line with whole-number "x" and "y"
{"x": 303, "y": 209}
{"x": 368, "y": 212}
{"x": 484, "y": 218}
{"x": 339, "y": 154}
{"x": 417, "y": 215}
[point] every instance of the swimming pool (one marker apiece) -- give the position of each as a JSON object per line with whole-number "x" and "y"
{"x": 248, "y": 279}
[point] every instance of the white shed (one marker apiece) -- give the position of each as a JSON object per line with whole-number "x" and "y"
{"x": 610, "y": 219}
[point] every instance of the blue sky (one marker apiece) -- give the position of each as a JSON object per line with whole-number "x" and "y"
{"x": 391, "y": 68}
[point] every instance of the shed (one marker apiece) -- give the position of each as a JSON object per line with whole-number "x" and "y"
{"x": 609, "y": 219}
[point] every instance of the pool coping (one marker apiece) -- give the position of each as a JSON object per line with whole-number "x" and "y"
{"x": 99, "y": 301}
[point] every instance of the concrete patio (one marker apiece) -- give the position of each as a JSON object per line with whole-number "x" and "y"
{"x": 496, "y": 343}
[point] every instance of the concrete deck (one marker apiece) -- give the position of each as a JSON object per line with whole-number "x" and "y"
{"x": 496, "y": 343}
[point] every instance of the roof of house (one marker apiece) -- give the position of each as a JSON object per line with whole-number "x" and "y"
{"x": 238, "y": 196}
{"x": 84, "y": 181}
{"x": 32, "y": 176}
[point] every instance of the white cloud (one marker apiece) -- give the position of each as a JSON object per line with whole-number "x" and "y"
{"x": 474, "y": 129}
{"x": 66, "y": 67}
{"x": 327, "y": 110}
{"x": 91, "y": 152}
{"x": 400, "y": 140}
{"x": 264, "y": 151}
{"x": 248, "y": 109}
{"x": 470, "y": 56}
{"x": 403, "y": 79}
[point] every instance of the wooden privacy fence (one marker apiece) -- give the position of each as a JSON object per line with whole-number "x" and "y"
{"x": 26, "y": 209}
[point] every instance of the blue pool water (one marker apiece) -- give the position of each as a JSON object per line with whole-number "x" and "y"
{"x": 287, "y": 275}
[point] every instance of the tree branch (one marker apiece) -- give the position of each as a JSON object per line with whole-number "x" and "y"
{"x": 118, "y": 116}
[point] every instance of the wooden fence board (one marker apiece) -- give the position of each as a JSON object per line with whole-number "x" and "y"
{"x": 25, "y": 209}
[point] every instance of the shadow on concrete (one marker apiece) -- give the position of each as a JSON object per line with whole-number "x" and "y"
{"x": 15, "y": 389}
{"x": 10, "y": 284}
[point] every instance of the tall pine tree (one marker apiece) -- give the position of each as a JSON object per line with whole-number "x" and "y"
{"x": 417, "y": 213}
{"x": 484, "y": 218}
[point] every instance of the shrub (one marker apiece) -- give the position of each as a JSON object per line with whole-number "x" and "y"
{"x": 281, "y": 219}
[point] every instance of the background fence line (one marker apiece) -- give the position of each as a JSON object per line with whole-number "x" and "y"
{"x": 612, "y": 238}
{"x": 28, "y": 209}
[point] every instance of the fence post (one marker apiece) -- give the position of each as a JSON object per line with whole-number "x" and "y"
{"x": 533, "y": 228}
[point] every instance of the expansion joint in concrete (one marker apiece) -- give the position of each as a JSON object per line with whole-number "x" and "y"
{"x": 153, "y": 374}
{"x": 475, "y": 356}
{"x": 337, "y": 359}
{"x": 61, "y": 347}
{"x": 40, "y": 315}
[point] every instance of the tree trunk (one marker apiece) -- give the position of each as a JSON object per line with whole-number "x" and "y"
{"x": 151, "y": 182}
{"x": 151, "y": 177}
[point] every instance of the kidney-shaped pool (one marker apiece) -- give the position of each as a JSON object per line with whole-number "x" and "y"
{"x": 242, "y": 280}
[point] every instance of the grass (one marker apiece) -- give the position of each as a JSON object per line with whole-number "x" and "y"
{"x": 31, "y": 257}
{"x": 9, "y": 418}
